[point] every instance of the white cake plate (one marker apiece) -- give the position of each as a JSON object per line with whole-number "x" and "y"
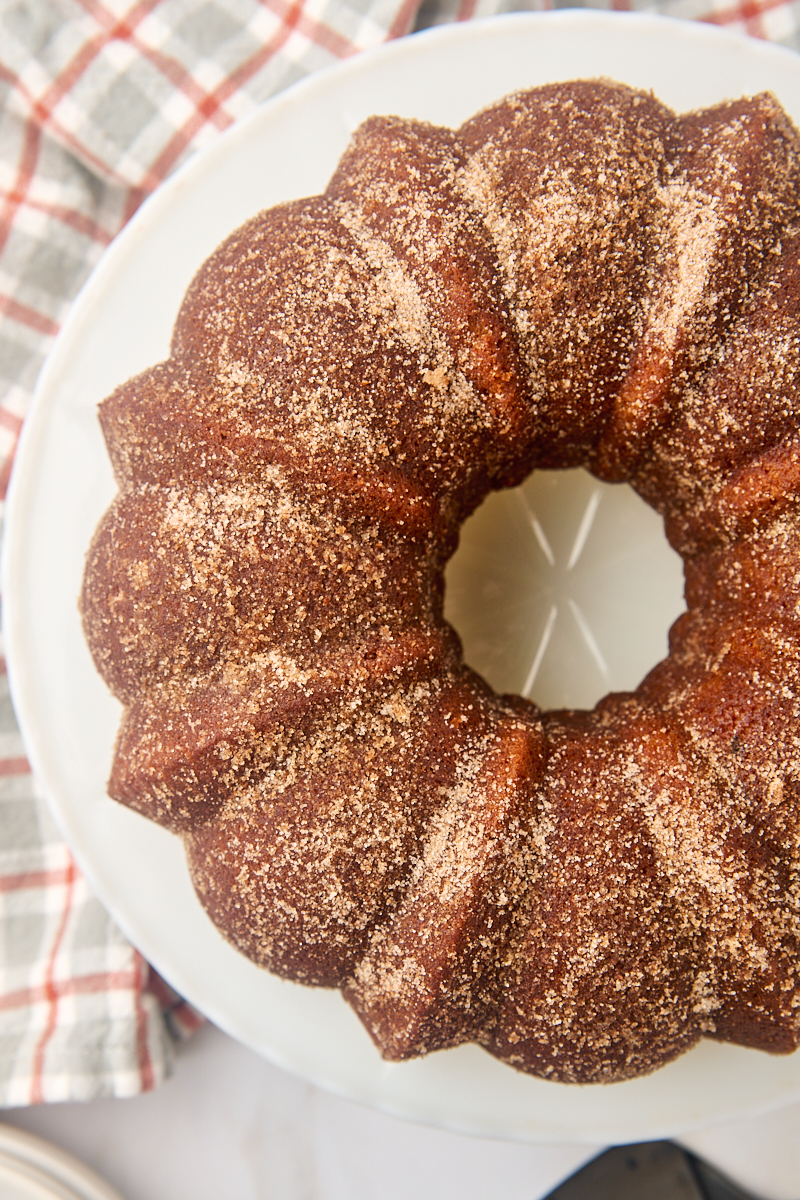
{"x": 571, "y": 649}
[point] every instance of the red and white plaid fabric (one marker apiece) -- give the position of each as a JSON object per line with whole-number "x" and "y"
{"x": 99, "y": 101}
{"x": 774, "y": 20}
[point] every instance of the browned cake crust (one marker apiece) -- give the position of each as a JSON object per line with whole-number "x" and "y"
{"x": 576, "y": 277}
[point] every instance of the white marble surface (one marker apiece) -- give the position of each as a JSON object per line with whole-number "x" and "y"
{"x": 230, "y": 1126}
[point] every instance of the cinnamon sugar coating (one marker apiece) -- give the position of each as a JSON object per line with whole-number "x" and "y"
{"x": 576, "y": 277}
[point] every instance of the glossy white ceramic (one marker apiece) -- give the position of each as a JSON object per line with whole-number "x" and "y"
{"x": 62, "y": 483}
{"x": 33, "y": 1169}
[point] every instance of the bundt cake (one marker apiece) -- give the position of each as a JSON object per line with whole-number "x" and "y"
{"x": 575, "y": 277}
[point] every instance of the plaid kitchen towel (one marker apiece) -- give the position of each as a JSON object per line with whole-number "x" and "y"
{"x": 99, "y": 101}
{"x": 774, "y": 20}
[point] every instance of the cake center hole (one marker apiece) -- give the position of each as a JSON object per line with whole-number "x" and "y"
{"x": 564, "y": 589}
